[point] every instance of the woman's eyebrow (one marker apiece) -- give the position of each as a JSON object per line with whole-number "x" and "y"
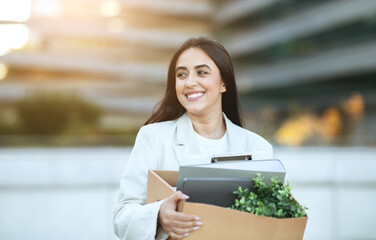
{"x": 181, "y": 67}
{"x": 202, "y": 65}
{"x": 196, "y": 67}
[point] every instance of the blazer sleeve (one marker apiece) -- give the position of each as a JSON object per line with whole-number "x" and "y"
{"x": 133, "y": 219}
{"x": 264, "y": 150}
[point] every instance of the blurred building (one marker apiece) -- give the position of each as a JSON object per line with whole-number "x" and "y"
{"x": 306, "y": 68}
{"x": 115, "y": 53}
{"x": 309, "y": 62}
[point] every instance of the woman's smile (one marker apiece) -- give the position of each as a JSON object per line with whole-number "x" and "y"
{"x": 194, "y": 96}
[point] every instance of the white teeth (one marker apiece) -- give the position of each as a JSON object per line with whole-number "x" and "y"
{"x": 194, "y": 95}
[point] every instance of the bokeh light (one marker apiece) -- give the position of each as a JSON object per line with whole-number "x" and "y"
{"x": 116, "y": 25}
{"x": 3, "y": 71}
{"x": 13, "y": 36}
{"x": 47, "y": 8}
{"x": 15, "y": 10}
{"x": 110, "y": 8}
{"x": 354, "y": 106}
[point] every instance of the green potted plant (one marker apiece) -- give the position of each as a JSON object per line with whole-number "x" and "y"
{"x": 274, "y": 200}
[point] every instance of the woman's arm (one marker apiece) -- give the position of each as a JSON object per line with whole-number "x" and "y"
{"x": 133, "y": 219}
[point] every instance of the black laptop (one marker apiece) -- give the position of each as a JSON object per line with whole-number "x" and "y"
{"x": 215, "y": 191}
{"x": 215, "y": 183}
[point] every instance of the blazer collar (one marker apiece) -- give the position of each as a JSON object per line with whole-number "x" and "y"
{"x": 186, "y": 143}
{"x": 184, "y": 130}
{"x": 234, "y": 136}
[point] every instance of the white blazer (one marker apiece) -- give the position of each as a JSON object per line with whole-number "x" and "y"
{"x": 166, "y": 146}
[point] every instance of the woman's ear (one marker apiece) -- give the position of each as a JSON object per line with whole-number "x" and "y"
{"x": 223, "y": 88}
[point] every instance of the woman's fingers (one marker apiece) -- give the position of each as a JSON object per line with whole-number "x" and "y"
{"x": 177, "y": 225}
{"x": 184, "y": 220}
{"x": 190, "y": 224}
{"x": 185, "y": 217}
{"x": 177, "y": 236}
{"x": 179, "y": 196}
{"x": 175, "y": 219}
{"x": 184, "y": 228}
{"x": 179, "y": 233}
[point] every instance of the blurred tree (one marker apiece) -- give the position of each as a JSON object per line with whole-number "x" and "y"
{"x": 48, "y": 113}
{"x": 5, "y": 128}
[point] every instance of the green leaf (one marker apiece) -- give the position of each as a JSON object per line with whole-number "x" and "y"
{"x": 273, "y": 200}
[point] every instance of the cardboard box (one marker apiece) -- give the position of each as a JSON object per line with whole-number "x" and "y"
{"x": 223, "y": 223}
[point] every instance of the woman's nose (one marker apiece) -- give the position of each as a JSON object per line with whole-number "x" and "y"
{"x": 191, "y": 81}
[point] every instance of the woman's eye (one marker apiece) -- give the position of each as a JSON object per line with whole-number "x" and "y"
{"x": 181, "y": 75}
{"x": 202, "y": 72}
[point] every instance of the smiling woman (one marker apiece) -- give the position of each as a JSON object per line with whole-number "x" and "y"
{"x": 198, "y": 117}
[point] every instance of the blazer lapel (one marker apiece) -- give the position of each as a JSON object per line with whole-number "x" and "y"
{"x": 185, "y": 145}
{"x": 234, "y": 137}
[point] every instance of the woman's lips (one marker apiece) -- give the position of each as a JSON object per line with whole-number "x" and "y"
{"x": 194, "y": 96}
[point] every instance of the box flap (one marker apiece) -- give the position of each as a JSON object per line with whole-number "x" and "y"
{"x": 158, "y": 185}
{"x": 170, "y": 177}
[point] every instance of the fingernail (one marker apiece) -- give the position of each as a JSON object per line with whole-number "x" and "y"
{"x": 197, "y": 218}
{"x": 186, "y": 234}
{"x": 185, "y": 196}
{"x": 195, "y": 228}
{"x": 199, "y": 223}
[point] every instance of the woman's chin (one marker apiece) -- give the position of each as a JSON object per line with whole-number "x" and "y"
{"x": 195, "y": 111}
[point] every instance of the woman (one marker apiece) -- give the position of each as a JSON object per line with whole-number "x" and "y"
{"x": 198, "y": 117}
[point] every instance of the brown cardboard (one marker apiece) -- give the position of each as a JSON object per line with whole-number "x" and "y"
{"x": 222, "y": 223}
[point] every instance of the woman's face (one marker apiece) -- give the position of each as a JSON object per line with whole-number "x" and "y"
{"x": 199, "y": 86}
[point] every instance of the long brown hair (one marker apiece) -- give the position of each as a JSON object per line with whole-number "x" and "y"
{"x": 169, "y": 108}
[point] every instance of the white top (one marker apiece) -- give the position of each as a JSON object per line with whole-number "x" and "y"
{"x": 210, "y": 147}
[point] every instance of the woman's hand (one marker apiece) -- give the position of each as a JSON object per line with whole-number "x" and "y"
{"x": 176, "y": 224}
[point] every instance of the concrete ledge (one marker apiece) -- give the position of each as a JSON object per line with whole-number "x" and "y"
{"x": 59, "y": 193}
{"x": 329, "y": 165}
{"x": 65, "y": 166}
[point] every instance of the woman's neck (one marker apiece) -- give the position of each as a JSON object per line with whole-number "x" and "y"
{"x": 212, "y": 126}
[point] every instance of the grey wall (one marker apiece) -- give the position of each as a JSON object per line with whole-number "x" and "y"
{"x": 70, "y": 193}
